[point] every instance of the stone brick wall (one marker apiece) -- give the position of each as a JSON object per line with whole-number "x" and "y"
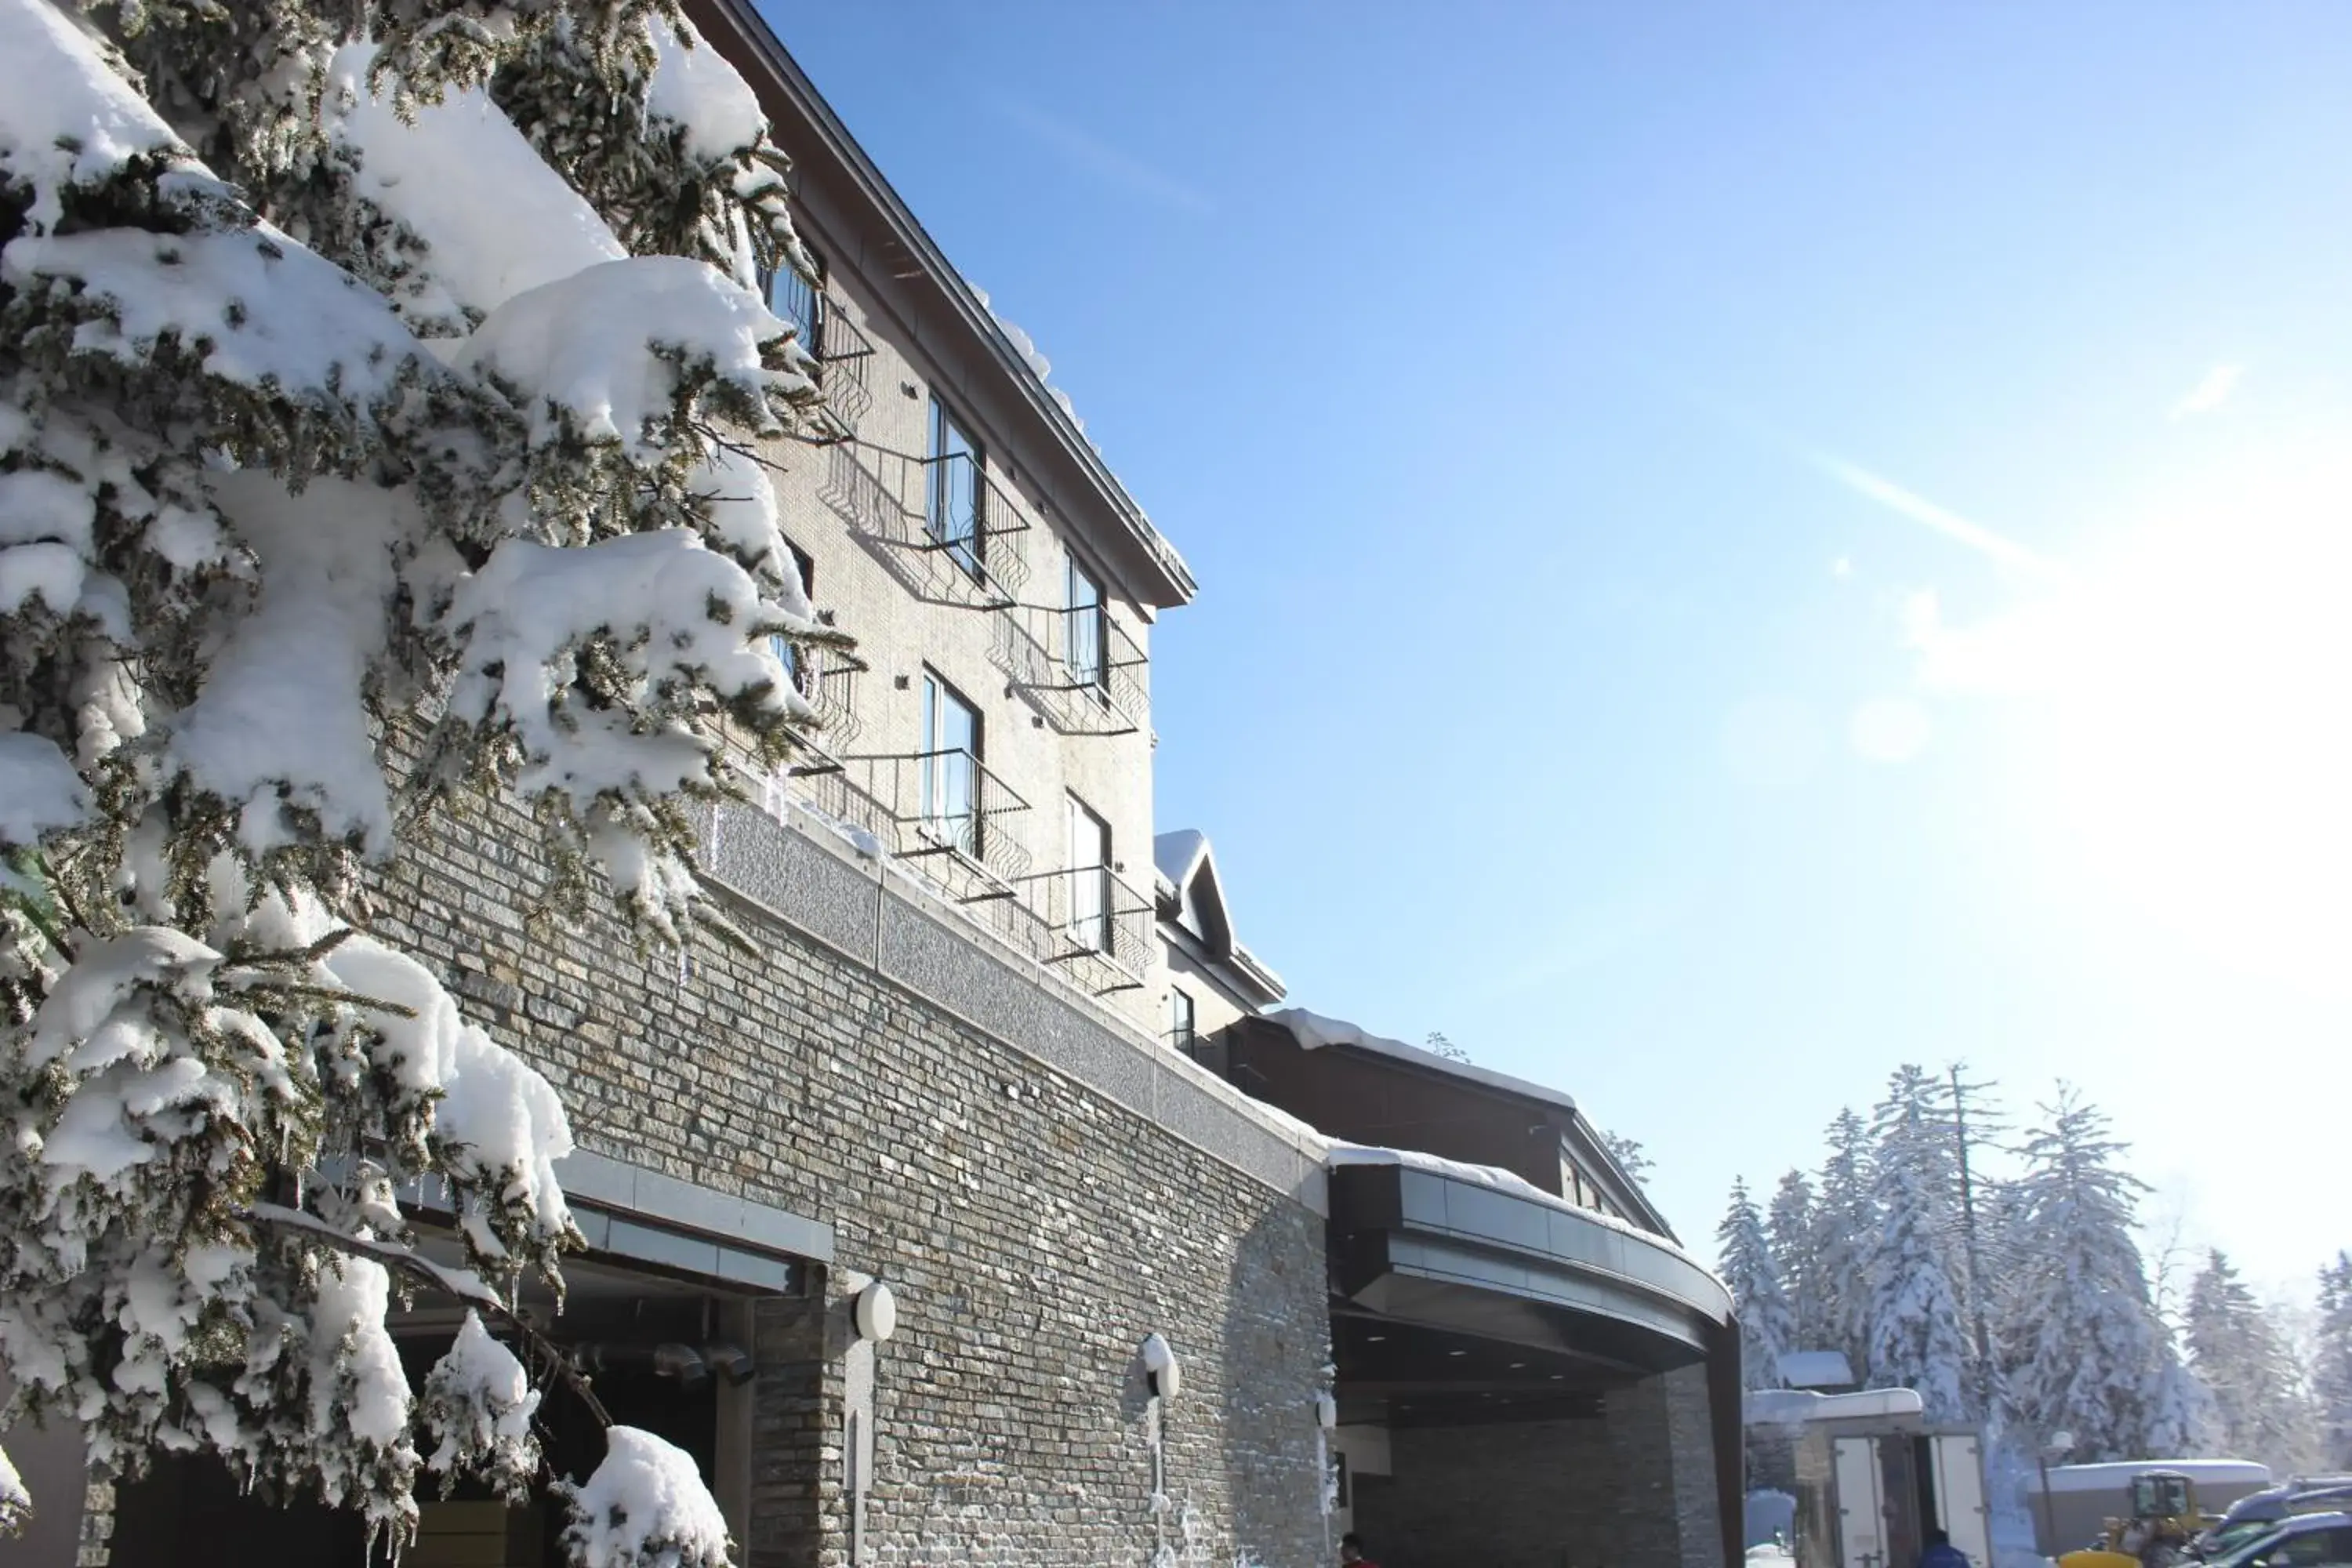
{"x": 1039, "y": 1195}
{"x": 1634, "y": 1488}
{"x": 1511, "y": 1495}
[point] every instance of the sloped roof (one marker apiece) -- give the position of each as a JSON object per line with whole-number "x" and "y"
{"x": 1189, "y": 878}
{"x": 1175, "y": 854}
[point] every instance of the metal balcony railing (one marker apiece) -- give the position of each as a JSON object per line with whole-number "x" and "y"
{"x": 826, "y": 679}
{"x": 943, "y": 808}
{"x": 840, "y": 350}
{"x": 1087, "y": 924}
{"x": 1078, "y": 669}
{"x": 1090, "y": 921}
{"x": 843, "y": 354}
{"x": 941, "y": 525}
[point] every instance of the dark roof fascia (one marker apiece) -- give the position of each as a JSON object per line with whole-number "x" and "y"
{"x": 1170, "y": 582}
{"x": 1623, "y": 1188}
{"x": 1244, "y": 983}
{"x": 1551, "y": 1104}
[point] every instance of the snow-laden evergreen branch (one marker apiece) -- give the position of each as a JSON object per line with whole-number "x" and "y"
{"x": 376, "y": 382}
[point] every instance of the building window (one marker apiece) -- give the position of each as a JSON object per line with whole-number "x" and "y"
{"x": 953, "y": 517}
{"x": 802, "y": 668}
{"x": 948, "y": 767}
{"x": 1089, "y": 874}
{"x": 1180, "y": 1019}
{"x": 1082, "y": 626}
{"x": 795, "y": 299}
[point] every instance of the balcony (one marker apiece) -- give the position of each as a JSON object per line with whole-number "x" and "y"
{"x": 826, "y": 677}
{"x": 941, "y": 526}
{"x": 1089, "y": 922}
{"x": 840, "y": 350}
{"x": 843, "y": 352}
{"x": 1078, "y": 669}
{"x": 943, "y": 810}
{"x": 948, "y": 819}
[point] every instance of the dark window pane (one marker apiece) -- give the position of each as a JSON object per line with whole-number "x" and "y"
{"x": 953, "y": 513}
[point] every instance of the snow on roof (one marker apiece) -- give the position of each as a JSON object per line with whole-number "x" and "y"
{"x": 1313, "y": 1031}
{"x": 1187, "y": 868}
{"x": 1815, "y": 1368}
{"x": 1176, "y": 853}
{"x": 2118, "y": 1476}
{"x": 1501, "y": 1181}
{"x": 1794, "y": 1406}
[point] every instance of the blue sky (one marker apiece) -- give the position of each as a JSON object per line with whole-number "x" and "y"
{"x": 1739, "y": 545}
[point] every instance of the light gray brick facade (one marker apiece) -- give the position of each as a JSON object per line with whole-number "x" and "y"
{"x": 1039, "y": 1200}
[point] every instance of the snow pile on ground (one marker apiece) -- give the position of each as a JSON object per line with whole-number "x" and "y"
{"x": 646, "y": 1503}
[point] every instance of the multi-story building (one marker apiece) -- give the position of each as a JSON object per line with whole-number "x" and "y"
{"x": 885, "y": 1202}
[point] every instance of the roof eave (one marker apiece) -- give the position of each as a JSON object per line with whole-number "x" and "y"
{"x": 1165, "y": 580}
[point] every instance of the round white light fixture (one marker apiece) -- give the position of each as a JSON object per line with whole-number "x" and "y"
{"x": 878, "y": 1313}
{"x": 1327, "y": 1411}
{"x": 1159, "y": 1366}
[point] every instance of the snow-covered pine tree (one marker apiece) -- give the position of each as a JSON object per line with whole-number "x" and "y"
{"x": 363, "y": 372}
{"x": 1767, "y": 1328}
{"x": 2242, "y": 1356}
{"x": 1845, "y": 1218}
{"x": 1916, "y": 1340}
{"x": 1915, "y": 1266}
{"x": 2082, "y": 1348}
{"x": 1789, "y": 1228}
{"x": 2331, "y": 1364}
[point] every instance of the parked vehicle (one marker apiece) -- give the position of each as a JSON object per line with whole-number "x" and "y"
{"x": 2094, "y": 1506}
{"x": 2253, "y": 1515}
{"x": 2300, "y": 1540}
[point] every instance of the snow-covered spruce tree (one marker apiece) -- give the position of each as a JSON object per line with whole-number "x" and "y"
{"x": 2331, "y": 1365}
{"x": 1915, "y": 1150}
{"x": 1845, "y": 1218}
{"x": 1767, "y": 1327}
{"x": 1916, "y": 1337}
{"x": 2242, "y": 1356}
{"x": 2082, "y": 1348}
{"x": 1788, "y": 1231}
{"x": 362, "y": 372}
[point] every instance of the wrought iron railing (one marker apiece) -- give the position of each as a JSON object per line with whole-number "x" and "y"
{"x": 944, "y": 807}
{"x": 843, "y": 354}
{"x": 1078, "y": 668}
{"x": 943, "y": 528}
{"x": 1085, "y": 923}
{"x": 1089, "y": 919}
{"x": 826, "y": 677}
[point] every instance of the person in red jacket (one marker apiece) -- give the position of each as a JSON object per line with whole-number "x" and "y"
{"x": 1351, "y": 1551}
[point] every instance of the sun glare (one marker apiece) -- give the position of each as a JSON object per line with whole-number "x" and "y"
{"x": 2189, "y": 714}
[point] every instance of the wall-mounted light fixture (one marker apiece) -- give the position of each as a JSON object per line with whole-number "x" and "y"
{"x": 877, "y": 1313}
{"x": 1160, "y": 1368}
